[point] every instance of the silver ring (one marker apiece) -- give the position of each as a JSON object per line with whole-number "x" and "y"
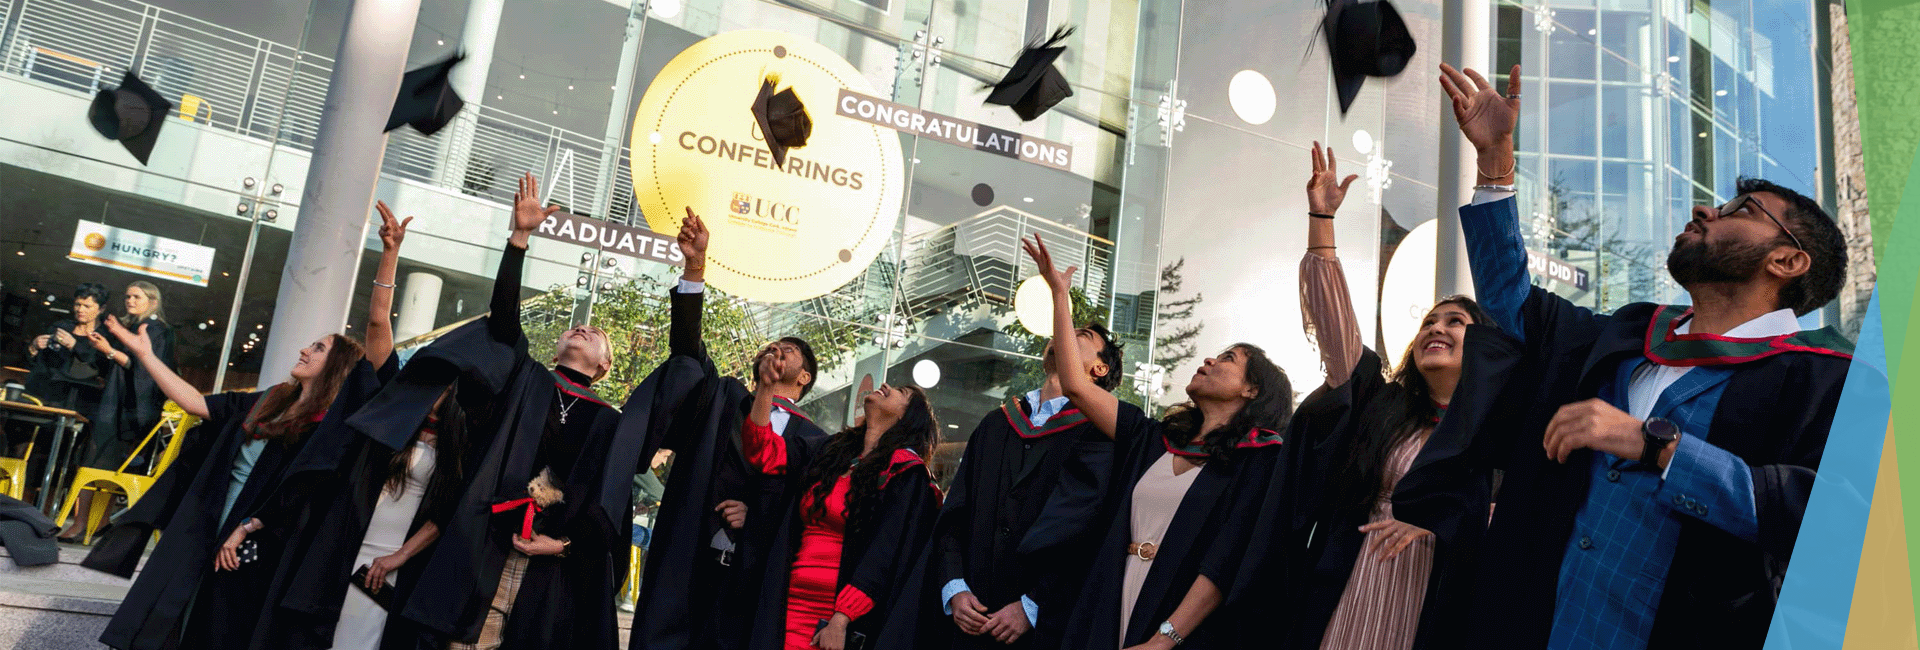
{"x": 1513, "y": 96}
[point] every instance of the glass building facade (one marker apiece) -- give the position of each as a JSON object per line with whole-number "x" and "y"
{"x": 1634, "y": 111}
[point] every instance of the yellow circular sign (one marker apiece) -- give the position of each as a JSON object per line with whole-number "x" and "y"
{"x": 781, "y": 233}
{"x": 95, "y": 241}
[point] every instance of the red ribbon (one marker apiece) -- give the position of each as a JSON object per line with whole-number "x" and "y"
{"x": 526, "y": 524}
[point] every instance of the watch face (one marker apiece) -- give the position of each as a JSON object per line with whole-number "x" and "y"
{"x": 1662, "y": 429}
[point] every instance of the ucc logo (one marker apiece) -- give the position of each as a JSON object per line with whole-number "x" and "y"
{"x": 744, "y": 204}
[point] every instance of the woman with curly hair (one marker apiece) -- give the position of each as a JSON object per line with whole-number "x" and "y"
{"x": 863, "y": 509}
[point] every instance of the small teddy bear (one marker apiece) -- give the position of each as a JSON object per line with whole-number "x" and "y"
{"x": 543, "y": 491}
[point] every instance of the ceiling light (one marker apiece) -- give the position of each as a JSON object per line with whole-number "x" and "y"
{"x": 1673, "y": 59}
{"x": 1028, "y": 199}
{"x": 1719, "y": 93}
{"x": 1251, "y": 96}
{"x": 440, "y": 41}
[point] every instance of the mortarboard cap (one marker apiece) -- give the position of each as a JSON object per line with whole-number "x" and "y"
{"x": 783, "y": 120}
{"x": 131, "y": 114}
{"x": 427, "y": 100}
{"x": 1364, "y": 39}
{"x": 1033, "y": 85}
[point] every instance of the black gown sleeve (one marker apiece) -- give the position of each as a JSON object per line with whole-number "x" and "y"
{"x": 910, "y": 508}
{"x": 950, "y": 537}
{"x": 685, "y": 329}
{"x": 503, "y": 322}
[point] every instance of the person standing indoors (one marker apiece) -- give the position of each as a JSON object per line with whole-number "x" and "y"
{"x": 530, "y": 556}
{"x": 130, "y": 401}
{"x": 231, "y": 501}
{"x": 387, "y": 511}
{"x": 1659, "y": 458}
{"x": 989, "y": 595}
{"x": 862, "y": 508}
{"x": 1183, "y": 491}
{"x": 699, "y": 584}
{"x": 1368, "y": 578}
{"x": 67, "y": 371}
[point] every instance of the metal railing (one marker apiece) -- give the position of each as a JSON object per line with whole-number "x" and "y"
{"x": 979, "y": 260}
{"x": 236, "y": 82}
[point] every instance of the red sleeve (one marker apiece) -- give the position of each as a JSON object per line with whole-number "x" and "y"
{"x": 764, "y": 448}
{"x": 852, "y": 602}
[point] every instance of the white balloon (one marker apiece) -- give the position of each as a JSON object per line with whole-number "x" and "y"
{"x": 1251, "y": 96}
{"x": 926, "y": 373}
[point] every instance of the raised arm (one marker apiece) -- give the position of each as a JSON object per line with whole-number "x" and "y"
{"x": 1100, "y": 406}
{"x": 1496, "y": 254}
{"x": 503, "y": 321}
{"x": 1325, "y": 304}
{"x": 765, "y": 450}
{"x": 684, "y": 327}
{"x": 380, "y": 312}
{"x": 140, "y": 347}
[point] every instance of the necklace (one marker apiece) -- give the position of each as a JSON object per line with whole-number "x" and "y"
{"x": 565, "y": 406}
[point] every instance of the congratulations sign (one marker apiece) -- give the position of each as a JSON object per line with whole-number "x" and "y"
{"x": 953, "y": 130}
{"x": 131, "y": 250}
{"x": 781, "y": 233}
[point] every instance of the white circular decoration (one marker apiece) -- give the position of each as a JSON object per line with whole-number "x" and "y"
{"x": 926, "y": 373}
{"x": 1251, "y": 96}
{"x": 781, "y": 232}
{"x": 1362, "y": 142}
{"x": 665, "y": 8}
{"x": 1033, "y": 305}
{"x": 1408, "y": 290}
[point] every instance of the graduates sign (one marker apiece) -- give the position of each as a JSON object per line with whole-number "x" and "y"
{"x": 781, "y": 232}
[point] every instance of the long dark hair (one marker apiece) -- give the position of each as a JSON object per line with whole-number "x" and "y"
{"x": 1270, "y": 409}
{"x": 276, "y": 416}
{"x": 1403, "y": 408}
{"x": 449, "y": 424}
{"x": 915, "y": 430}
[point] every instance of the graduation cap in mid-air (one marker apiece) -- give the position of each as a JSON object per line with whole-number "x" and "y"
{"x": 1364, "y": 39}
{"x": 131, "y": 114}
{"x": 1033, "y": 85}
{"x": 782, "y": 118}
{"x": 427, "y": 101}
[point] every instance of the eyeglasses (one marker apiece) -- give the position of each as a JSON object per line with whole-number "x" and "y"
{"x": 1746, "y": 200}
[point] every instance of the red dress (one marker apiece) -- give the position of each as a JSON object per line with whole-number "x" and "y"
{"x": 813, "y": 585}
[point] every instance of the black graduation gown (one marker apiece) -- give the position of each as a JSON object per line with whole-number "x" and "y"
{"x": 1006, "y": 474}
{"x": 1720, "y": 591}
{"x": 308, "y": 595}
{"x": 1208, "y": 536}
{"x": 876, "y": 561}
{"x": 687, "y": 598}
{"x": 185, "y": 503}
{"x": 511, "y": 401}
{"x": 70, "y": 377}
{"x": 129, "y": 404}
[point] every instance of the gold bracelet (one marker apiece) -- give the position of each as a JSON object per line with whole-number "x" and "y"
{"x": 1494, "y": 177}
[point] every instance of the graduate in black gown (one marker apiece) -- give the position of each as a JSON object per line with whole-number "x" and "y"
{"x": 860, "y": 511}
{"x": 307, "y": 596}
{"x": 1657, "y": 460}
{"x": 978, "y": 590}
{"x": 1183, "y": 491}
{"x": 718, "y": 515}
{"x": 535, "y": 549}
{"x": 130, "y": 399}
{"x": 231, "y": 501}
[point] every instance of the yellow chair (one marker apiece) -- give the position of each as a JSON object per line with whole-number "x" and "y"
{"x": 108, "y": 483}
{"x": 13, "y": 471}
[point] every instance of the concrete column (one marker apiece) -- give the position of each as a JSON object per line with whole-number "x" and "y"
{"x": 317, "y": 282}
{"x": 469, "y": 79}
{"x": 419, "y": 303}
{"x": 616, "y": 135}
{"x": 1466, "y": 41}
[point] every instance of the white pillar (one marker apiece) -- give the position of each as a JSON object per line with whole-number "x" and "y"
{"x": 317, "y": 282}
{"x": 616, "y": 135}
{"x": 469, "y": 79}
{"x": 419, "y": 303}
{"x": 1466, "y": 41}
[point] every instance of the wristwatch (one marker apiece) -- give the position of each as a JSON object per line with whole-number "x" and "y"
{"x": 1658, "y": 432}
{"x": 1166, "y": 630}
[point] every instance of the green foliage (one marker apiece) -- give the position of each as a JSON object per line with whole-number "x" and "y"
{"x": 1175, "y": 343}
{"x": 637, "y": 317}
